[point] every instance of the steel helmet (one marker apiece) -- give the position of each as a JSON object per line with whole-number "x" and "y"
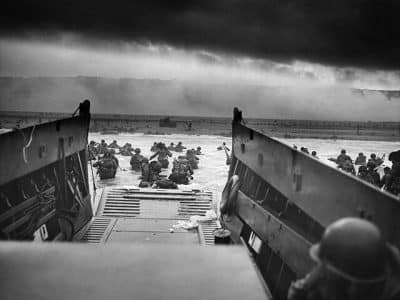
{"x": 354, "y": 249}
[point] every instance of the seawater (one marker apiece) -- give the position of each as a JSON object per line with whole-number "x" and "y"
{"x": 213, "y": 171}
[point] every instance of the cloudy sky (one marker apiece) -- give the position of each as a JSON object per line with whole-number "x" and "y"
{"x": 297, "y": 44}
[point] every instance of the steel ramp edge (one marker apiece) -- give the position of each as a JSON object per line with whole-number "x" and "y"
{"x": 206, "y": 232}
{"x": 96, "y": 231}
{"x": 154, "y": 203}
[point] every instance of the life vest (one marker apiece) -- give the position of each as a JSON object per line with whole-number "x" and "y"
{"x": 229, "y": 195}
{"x": 108, "y": 164}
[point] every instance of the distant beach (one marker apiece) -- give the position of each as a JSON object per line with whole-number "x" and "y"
{"x": 192, "y": 125}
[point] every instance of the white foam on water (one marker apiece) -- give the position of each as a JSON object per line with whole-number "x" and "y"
{"x": 213, "y": 171}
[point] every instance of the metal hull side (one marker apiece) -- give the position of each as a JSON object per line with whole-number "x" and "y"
{"x": 44, "y": 190}
{"x": 49, "y": 142}
{"x": 287, "y": 198}
{"x": 319, "y": 191}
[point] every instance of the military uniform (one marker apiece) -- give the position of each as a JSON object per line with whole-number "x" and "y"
{"x": 181, "y": 171}
{"x": 353, "y": 263}
{"x": 361, "y": 159}
{"x": 136, "y": 160}
{"x": 114, "y": 145}
{"x": 92, "y": 150}
{"x": 107, "y": 167}
{"x": 363, "y": 174}
{"x": 193, "y": 159}
{"x": 103, "y": 147}
{"x": 342, "y": 158}
{"x": 162, "y": 154}
{"x": 179, "y": 147}
{"x": 348, "y": 167}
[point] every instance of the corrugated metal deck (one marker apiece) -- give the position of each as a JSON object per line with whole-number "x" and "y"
{"x": 134, "y": 215}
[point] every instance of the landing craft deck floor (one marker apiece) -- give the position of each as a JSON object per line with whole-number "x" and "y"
{"x": 136, "y": 215}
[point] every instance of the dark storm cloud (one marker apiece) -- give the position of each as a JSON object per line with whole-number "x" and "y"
{"x": 362, "y": 33}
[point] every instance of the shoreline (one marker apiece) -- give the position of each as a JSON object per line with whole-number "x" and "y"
{"x": 275, "y": 134}
{"x": 157, "y": 125}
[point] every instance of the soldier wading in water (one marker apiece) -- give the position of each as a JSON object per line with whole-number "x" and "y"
{"x": 163, "y": 154}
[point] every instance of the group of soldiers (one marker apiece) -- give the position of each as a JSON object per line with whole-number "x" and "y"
{"x": 305, "y": 150}
{"x": 150, "y": 168}
{"x": 182, "y": 169}
{"x": 367, "y": 171}
{"x": 107, "y": 163}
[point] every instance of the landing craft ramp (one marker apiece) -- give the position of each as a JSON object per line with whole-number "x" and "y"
{"x": 134, "y": 215}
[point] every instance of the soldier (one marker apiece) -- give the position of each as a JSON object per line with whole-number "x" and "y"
{"x": 107, "y": 166}
{"x": 377, "y": 161}
{"x": 146, "y": 173}
{"x": 385, "y": 178}
{"x": 136, "y": 160}
{"x": 127, "y": 146}
{"x": 126, "y": 150}
{"x": 155, "y": 169}
{"x": 342, "y": 158}
{"x": 348, "y": 167}
{"x": 364, "y": 175}
{"x": 154, "y": 147}
{"x": 314, "y": 154}
{"x": 305, "y": 150}
{"x": 181, "y": 172}
{"x": 353, "y": 263}
{"x": 114, "y": 145}
{"x": 193, "y": 159}
{"x": 179, "y": 147}
{"x": 92, "y": 150}
{"x": 228, "y": 157}
{"x": 150, "y": 172}
{"x": 373, "y": 173}
{"x": 361, "y": 159}
{"x": 103, "y": 147}
{"x": 162, "y": 154}
{"x": 198, "y": 151}
{"x": 223, "y": 147}
{"x": 393, "y": 184}
{"x": 113, "y": 157}
{"x": 171, "y": 147}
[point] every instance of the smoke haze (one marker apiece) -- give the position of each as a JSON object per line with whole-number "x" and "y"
{"x": 48, "y": 75}
{"x": 172, "y": 97}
